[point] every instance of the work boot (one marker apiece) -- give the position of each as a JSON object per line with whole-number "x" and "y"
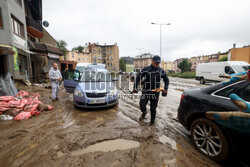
{"x": 143, "y": 115}
{"x": 151, "y": 124}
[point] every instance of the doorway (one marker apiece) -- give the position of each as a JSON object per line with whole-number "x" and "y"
{"x": 3, "y": 65}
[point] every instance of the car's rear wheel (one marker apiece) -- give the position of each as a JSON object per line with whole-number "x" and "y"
{"x": 209, "y": 139}
{"x": 202, "y": 80}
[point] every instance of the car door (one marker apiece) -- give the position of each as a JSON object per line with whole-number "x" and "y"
{"x": 72, "y": 78}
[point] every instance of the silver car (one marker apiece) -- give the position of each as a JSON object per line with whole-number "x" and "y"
{"x": 95, "y": 88}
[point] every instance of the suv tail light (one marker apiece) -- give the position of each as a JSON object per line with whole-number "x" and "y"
{"x": 182, "y": 96}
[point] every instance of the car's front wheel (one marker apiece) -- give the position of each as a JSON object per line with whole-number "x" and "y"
{"x": 209, "y": 139}
{"x": 202, "y": 81}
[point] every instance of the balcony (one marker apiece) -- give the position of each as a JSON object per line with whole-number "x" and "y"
{"x": 43, "y": 48}
{"x": 34, "y": 27}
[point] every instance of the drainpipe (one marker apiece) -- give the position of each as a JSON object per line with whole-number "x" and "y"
{"x": 234, "y": 45}
{"x": 26, "y": 74}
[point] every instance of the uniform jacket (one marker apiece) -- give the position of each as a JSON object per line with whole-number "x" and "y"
{"x": 152, "y": 78}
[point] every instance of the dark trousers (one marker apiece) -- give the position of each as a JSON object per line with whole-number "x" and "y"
{"x": 153, "y": 98}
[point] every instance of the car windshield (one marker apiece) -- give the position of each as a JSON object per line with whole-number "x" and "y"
{"x": 95, "y": 76}
{"x": 80, "y": 68}
{"x": 240, "y": 68}
{"x": 96, "y": 66}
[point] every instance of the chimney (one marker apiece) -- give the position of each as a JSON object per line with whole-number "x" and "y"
{"x": 234, "y": 45}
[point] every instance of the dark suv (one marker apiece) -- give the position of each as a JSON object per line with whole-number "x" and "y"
{"x": 211, "y": 139}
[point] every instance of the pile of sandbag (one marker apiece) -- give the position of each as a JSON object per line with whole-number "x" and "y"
{"x": 22, "y": 106}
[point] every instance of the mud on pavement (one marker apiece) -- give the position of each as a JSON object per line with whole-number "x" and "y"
{"x": 108, "y": 137}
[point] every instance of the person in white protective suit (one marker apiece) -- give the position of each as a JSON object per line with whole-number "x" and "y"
{"x": 55, "y": 78}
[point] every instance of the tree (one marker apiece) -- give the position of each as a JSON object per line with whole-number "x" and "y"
{"x": 224, "y": 58}
{"x": 122, "y": 64}
{"x": 184, "y": 65}
{"x": 62, "y": 46}
{"x": 78, "y": 48}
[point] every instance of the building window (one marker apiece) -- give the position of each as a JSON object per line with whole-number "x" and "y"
{"x": 107, "y": 64}
{"x": 111, "y": 63}
{"x": 19, "y": 2}
{"x": 110, "y": 51}
{"x": 87, "y": 59}
{"x": 72, "y": 55}
{"x": 1, "y": 19}
{"x": 17, "y": 27}
{"x": 83, "y": 59}
{"x": 79, "y": 59}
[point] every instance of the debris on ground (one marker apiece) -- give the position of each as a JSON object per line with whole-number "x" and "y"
{"x": 22, "y": 106}
{"x": 38, "y": 85}
{"x": 27, "y": 82}
{"x": 48, "y": 87}
{"x": 7, "y": 87}
{"x": 6, "y": 117}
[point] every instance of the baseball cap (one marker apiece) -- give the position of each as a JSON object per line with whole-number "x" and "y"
{"x": 157, "y": 59}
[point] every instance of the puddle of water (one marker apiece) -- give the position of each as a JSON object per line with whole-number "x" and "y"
{"x": 68, "y": 121}
{"x": 31, "y": 146}
{"x": 120, "y": 114}
{"x": 164, "y": 139}
{"x": 59, "y": 154}
{"x": 99, "y": 119}
{"x": 84, "y": 114}
{"x": 107, "y": 146}
{"x": 112, "y": 110}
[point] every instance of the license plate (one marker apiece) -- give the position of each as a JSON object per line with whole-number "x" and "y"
{"x": 96, "y": 101}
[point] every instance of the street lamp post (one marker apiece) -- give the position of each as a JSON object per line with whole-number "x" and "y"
{"x": 139, "y": 49}
{"x": 160, "y": 24}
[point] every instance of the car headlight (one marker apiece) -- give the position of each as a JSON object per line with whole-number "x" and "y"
{"x": 78, "y": 93}
{"x": 113, "y": 92}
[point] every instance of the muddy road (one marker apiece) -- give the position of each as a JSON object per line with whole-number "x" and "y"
{"x": 107, "y": 137}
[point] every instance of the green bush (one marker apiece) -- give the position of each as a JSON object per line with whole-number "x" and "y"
{"x": 183, "y": 75}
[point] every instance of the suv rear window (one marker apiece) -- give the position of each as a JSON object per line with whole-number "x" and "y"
{"x": 242, "y": 90}
{"x": 226, "y": 92}
{"x": 244, "y": 93}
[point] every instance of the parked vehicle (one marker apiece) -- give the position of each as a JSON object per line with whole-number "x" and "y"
{"x": 212, "y": 71}
{"x": 93, "y": 89}
{"x": 81, "y": 66}
{"x": 97, "y": 65}
{"x": 211, "y": 139}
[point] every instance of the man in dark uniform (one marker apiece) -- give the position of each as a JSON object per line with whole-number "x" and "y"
{"x": 152, "y": 75}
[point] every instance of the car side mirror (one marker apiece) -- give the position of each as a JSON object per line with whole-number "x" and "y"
{"x": 115, "y": 79}
{"x": 76, "y": 79}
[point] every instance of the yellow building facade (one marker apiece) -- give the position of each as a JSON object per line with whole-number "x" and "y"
{"x": 240, "y": 54}
{"x": 78, "y": 57}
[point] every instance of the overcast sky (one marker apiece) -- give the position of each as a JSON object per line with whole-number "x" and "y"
{"x": 198, "y": 27}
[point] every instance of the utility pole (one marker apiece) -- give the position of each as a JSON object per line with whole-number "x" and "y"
{"x": 139, "y": 49}
{"x": 160, "y": 24}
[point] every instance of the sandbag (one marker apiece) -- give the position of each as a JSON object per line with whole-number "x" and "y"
{"x": 23, "y": 105}
{"x": 45, "y": 107}
{"x": 23, "y": 115}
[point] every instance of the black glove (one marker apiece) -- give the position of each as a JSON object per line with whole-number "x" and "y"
{"x": 164, "y": 93}
{"x": 134, "y": 91}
